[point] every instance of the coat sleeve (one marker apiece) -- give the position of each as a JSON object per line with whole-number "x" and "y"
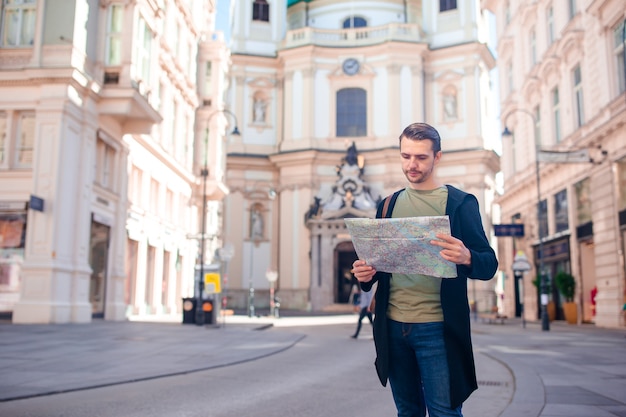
{"x": 367, "y": 286}
{"x": 469, "y": 228}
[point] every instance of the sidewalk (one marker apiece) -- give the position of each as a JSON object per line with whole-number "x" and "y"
{"x": 45, "y": 359}
{"x": 568, "y": 371}
{"x": 41, "y": 360}
{"x": 571, "y": 371}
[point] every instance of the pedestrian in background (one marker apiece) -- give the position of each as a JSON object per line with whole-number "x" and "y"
{"x": 364, "y": 310}
{"x": 355, "y": 297}
{"x": 422, "y": 323}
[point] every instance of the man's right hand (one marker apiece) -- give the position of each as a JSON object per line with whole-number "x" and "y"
{"x": 362, "y": 272}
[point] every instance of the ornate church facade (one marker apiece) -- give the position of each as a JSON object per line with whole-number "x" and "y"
{"x": 322, "y": 91}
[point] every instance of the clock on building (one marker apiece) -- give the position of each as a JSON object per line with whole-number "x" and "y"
{"x": 351, "y": 66}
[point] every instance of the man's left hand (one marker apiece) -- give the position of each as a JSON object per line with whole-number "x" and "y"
{"x": 453, "y": 249}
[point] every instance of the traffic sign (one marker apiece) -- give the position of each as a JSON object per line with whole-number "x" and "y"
{"x": 515, "y": 230}
{"x": 212, "y": 283}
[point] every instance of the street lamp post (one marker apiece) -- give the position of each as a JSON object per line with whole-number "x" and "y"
{"x": 204, "y": 173}
{"x": 521, "y": 265}
{"x": 543, "y": 278}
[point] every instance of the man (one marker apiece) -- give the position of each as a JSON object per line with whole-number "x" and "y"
{"x": 364, "y": 310}
{"x": 422, "y": 325}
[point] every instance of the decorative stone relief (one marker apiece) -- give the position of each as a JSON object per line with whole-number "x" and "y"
{"x": 350, "y": 194}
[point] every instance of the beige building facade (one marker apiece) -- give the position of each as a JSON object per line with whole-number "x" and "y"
{"x": 107, "y": 110}
{"x": 562, "y": 88}
{"x": 322, "y": 90}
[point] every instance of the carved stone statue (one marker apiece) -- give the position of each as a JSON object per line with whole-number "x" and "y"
{"x": 449, "y": 106}
{"x": 351, "y": 155}
{"x": 256, "y": 224}
{"x": 259, "y": 110}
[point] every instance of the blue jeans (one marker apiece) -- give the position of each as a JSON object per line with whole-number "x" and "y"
{"x": 418, "y": 370}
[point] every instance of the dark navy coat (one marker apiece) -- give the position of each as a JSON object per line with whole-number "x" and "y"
{"x": 466, "y": 225}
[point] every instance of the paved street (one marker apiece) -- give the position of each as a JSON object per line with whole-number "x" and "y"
{"x": 569, "y": 371}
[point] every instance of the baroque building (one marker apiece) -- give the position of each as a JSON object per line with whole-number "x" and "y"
{"x": 322, "y": 90}
{"x": 105, "y": 110}
{"x": 562, "y": 84}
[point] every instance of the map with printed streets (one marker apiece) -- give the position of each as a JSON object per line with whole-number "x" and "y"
{"x": 402, "y": 245}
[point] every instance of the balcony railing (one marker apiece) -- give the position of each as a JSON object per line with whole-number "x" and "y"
{"x": 345, "y": 38}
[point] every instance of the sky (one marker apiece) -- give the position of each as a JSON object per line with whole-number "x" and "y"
{"x": 222, "y": 22}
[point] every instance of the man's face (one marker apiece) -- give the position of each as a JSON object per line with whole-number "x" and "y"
{"x": 418, "y": 162}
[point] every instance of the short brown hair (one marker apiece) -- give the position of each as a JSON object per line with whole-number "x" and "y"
{"x": 422, "y": 131}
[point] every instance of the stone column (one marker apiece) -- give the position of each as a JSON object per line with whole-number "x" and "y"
{"x": 308, "y": 105}
{"x": 55, "y": 275}
{"x": 606, "y": 237}
{"x": 315, "y": 266}
{"x": 115, "y": 308}
{"x": 394, "y": 90}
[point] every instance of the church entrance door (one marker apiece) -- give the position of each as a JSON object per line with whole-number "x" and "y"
{"x": 344, "y": 280}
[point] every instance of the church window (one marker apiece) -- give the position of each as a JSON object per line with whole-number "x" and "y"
{"x": 445, "y": 5}
{"x": 351, "y": 112}
{"x": 354, "y": 22}
{"x": 261, "y": 11}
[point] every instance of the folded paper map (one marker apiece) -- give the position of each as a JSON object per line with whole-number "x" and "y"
{"x": 402, "y": 245}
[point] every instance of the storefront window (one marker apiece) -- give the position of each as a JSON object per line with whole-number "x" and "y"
{"x": 12, "y": 242}
{"x": 560, "y": 211}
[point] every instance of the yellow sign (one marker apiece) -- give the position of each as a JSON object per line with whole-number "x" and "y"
{"x": 212, "y": 283}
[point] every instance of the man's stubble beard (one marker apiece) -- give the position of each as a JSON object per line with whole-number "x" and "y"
{"x": 425, "y": 175}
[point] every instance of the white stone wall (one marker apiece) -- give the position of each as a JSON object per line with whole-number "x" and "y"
{"x": 156, "y": 212}
{"x": 405, "y": 82}
{"x": 585, "y": 39}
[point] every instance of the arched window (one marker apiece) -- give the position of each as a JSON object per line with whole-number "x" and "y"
{"x": 261, "y": 10}
{"x": 354, "y": 22}
{"x": 351, "y": 112}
